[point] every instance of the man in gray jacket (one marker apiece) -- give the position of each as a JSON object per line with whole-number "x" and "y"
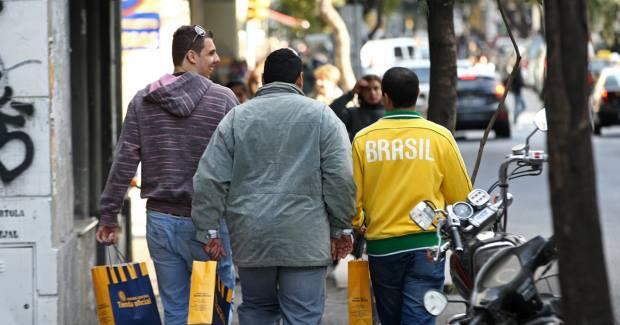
{"x": 278, "y": 168}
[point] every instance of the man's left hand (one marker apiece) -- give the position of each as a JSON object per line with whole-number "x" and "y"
{"x": 341, "y": 247}
{"x": 215, "y": 249}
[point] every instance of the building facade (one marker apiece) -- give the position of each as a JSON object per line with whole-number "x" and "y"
{"x": 58, "y": 108}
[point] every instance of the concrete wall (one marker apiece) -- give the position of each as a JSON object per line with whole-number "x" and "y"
{"x": 36, "y": 184}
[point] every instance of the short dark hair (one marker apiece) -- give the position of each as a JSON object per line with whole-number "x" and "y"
{"x": 402, "y": 86}
{"x": 371, "y": 77}
{"x": 282, "y": 65}
{"x": 183, "y": 40}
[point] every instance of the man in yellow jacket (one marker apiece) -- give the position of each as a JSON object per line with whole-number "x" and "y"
{"x": 399, "y": 161}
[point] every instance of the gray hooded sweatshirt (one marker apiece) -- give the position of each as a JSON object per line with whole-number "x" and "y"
{"x": 167, "y": 127}
{"x": 279, "y": 169}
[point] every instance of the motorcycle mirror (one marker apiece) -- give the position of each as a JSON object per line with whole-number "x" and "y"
{"x": 435, "y": 302}
{"x": 519, "y": 149}
{"x": 540, "y": 120}
{"x": 423, "y": 215}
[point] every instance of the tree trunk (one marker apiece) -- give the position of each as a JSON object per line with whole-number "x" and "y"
{"x": 342, "y": 47}
{"x": 583, "y": 277}
{"x": 442, "y": 43}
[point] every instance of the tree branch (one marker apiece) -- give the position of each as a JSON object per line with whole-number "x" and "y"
{"x": 342, "y": 50}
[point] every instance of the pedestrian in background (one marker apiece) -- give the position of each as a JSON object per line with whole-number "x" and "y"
{"x": 516, "y": 87}
{"x": 240, "y": 90}
{"x": 326, "y": 81}
{"x": 279, "y": 170}
{"x": 399, "y": 161}
{"x": 355, "y": 118}
{"x": 370, "y": 109}
{"x": 167, "y": 128}
{"x": 254, "y": 79}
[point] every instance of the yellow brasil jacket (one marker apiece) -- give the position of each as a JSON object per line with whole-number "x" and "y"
{"x": 399, "y": 161}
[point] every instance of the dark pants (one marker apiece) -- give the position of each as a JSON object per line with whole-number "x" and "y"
{"x": 400, "y": 281}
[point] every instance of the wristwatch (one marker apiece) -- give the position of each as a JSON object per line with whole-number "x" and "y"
{"x": 213, "y": 234}
{"x": 345, "y": 232}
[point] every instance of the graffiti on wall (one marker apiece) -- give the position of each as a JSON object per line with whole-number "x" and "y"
{"x": 13, "y": 113}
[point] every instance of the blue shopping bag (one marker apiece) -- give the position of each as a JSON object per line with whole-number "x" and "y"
{"x": 223, "y": 301}
{"x": 124, "y": 295}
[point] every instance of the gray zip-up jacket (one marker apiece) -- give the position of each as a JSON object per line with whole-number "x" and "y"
{"x": 279, "y": 169}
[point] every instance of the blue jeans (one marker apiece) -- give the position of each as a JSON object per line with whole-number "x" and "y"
{"x": 173, "y": 247}
{"x": 294, "y": 294}
{"x": 400, "y": 281}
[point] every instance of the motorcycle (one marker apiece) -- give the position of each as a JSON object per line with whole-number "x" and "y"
{"x": 475, "y": 233}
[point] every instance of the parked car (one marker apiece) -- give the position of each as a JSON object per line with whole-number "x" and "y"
{"x": 478, "y": 95}
{"x": 602, "y": 60}
{"x": 605, "y": 99}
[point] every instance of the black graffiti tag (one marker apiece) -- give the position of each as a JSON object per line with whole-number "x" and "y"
{"x": 5, "y": 137}
{"x": 16, "y": 121}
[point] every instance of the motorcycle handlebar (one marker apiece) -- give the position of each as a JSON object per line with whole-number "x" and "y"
{"x": 456, "y": 239}
{"x": 532, "y": 158}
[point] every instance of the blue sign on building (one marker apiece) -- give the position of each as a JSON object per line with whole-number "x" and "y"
{"x": 140, "y": 24}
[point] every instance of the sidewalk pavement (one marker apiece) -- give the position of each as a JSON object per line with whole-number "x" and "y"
{"x": 335, "y": 305}
{"x": 336, "y": 308}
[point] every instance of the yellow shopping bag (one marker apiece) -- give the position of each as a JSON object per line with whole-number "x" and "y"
{"x": 209, "y": 299}
{"x": 360, "y": 298}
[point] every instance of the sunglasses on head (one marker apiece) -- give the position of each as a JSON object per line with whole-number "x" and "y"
{"x": 200, "y": 31}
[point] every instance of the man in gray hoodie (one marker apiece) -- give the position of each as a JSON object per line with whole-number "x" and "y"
{"x": 167, "y": 127}
{"x": 279, "y": 169}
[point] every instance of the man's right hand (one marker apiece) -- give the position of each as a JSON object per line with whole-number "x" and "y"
{"x": 214, "y": 249}
{"x": 108, "y": 235}
{"x": 359, "y": 85}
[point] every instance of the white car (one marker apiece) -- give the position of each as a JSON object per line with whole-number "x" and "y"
{"x": 605, "y": 99}
{"x": 377, "y": 56}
